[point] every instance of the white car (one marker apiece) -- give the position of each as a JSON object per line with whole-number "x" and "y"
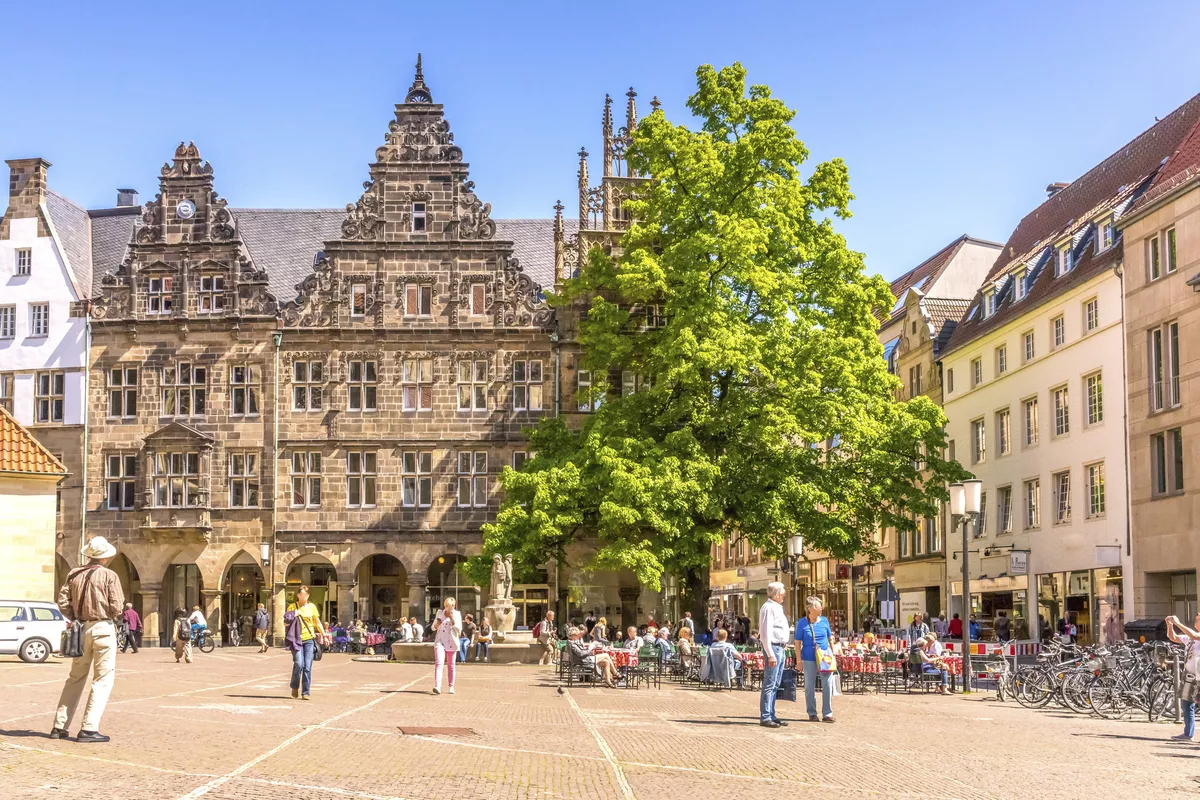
{"x": 30, "y": 629}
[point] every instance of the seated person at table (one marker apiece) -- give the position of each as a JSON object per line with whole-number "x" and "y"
{"x": 632, "y": 640}
{"x": 582, "y": 655}
{"x": 600, "y": 631}
{"x": 689, "y": 655}
{"x": 723, "y": 664}
{"x": 753, "y": 641}
{"x": 868, "y": 642}
{"x": 663, "y": 643}
{"x": 835, "y": 644}
{"x": 930, "y": 653}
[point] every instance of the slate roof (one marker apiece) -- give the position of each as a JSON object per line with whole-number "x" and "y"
{"x": 283, "y": 241}
{"x": 1112, "y": 186}
{"x": 944, "y": 315}
{"x": 21, "y": 453}
{"x": 70, "y": 223}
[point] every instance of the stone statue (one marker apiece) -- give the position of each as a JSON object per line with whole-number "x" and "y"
{"x": 508, "y": 575}
{"x": 498, "y": 578}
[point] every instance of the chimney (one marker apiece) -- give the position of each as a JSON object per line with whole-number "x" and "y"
{"x": 127, "y": 198}
{"x": 1055, "y": 188}
{"x": 26, "y": 191}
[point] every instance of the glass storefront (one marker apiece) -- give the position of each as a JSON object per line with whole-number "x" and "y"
{"x": 986, "y": 606}
{"x": 1092, "y": 600}
{"x": 531, "y": 603}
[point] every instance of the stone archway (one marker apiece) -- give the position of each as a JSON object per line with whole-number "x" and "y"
{"x": 242, "y": 589}
{"x": 382, "y": 588}
{"x": 447, "y": 578}
{"x": 320, "y": 575}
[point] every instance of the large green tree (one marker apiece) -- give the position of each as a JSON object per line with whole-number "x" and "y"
{"x": 767, "y": 408}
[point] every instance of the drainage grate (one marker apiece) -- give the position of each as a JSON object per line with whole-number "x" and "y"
{"x": 438, "y": 732}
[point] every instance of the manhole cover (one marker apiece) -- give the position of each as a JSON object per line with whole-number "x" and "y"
{"x": 438, "y": 732}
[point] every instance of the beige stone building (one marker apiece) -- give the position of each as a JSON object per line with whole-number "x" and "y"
{"x": 29, "y": 478}
{"x": 1161, "y": 275}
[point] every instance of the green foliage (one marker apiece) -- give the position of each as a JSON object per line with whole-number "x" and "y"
{"x": 771, "y": 410}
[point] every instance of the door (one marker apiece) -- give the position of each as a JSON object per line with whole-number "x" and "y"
{"x": 13, "y": 622}
{"x": 47, "y": 623}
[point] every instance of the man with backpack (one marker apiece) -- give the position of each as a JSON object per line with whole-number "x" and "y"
{"x": 544, "y": 633}
{"x": 181, "y": 635}
{"x": 91, "y": 596}
{"x": 262, "y": 622}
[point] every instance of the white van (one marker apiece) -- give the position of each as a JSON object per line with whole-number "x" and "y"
{"x": 30, "y": 629}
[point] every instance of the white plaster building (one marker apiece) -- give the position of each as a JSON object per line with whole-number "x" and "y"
{"x": 1034, "y": 383}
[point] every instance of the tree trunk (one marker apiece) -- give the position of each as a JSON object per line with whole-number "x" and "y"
{"x": 696, "y": 592}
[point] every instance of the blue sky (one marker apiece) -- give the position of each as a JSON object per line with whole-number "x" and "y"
{"x": 952, "y": 117}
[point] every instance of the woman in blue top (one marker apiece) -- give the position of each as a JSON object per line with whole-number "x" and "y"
{"x": 812, "y": 632}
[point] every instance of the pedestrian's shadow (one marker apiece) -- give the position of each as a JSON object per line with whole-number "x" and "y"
{"x": 261, "y": 696}
{"x": 719, "y": 721}
{"x": 26, "y": 734}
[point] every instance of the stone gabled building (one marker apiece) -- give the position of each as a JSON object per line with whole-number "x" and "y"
{"x": 321, "y": 397}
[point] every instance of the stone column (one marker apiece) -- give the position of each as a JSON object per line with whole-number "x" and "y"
{"x": 345, "y": 603}
{"x": 278, "y": 609}
{"x": 210, "y": 601}
{"x": 152, "y": 622}
{"x": 629, "y": 597}
{"x": 416, "y": 597}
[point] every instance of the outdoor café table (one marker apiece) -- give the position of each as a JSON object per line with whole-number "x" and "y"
{"x": 753, "y": 660}
{"x": 373, "y": 639}
{"x": 622, "y": 657}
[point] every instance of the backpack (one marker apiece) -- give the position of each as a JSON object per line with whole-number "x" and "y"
{"x": 185, "y": 630}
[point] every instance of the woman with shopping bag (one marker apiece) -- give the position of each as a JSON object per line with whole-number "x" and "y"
{"x": 816, "y": 655}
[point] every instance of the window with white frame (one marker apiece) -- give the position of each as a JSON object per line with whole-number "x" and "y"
{"x": 1063, "y": 261}
{"x": 588, "y": 399}
{"x": 1160, "y": 254}
{"x": 306, "y": 479}
{"x": 988, "y": 307}
{"x": 212, "y": 294}
{"x": 478, "y": 300}
{"x": 1004, "y": 509}
{"x": 8, "y": 322}
{"x": 120, "y": 476}
{"x": 243, "y": 479}
{"x": 1094, "y": 388}
{"x": 1003, "y": 432}
{"x": 122, "y": 391}
{"x": 1033, "y": 503}
{"x": 1091, "y": 315}
{"x": 420, "y": 218}
{"x": 363, "y": 386}
{"x": 976, "y": 372}
{"x": 1058, "y": 331}
{"x": 416, "y": 479}
{"x": 50, "y": 394}
{"x": 1019, "y": 288}
{"x": 918, "y": 541}
{"x": 176, "y": 480}
{"x": 1062, "y": 412}
{"x": 1030, "y": 351}
{"x": 472, "y": 479}
{"x": 1001, "y": 360}
{"x": 981, "y": 517}
{"x": 914, "y": 381}
{"x": 1106, "y": 236}
{"x": 184, "y": 390}
{"x": 358, "y": 300}
{"x": 243, "y": 389}
{"x": 527, "y": 385}
{"x": 1169, "y": 250}
{"x": 308, "y": 382}
{"x": 360, "y": 479}
{"x": 1095, "y": 484}
{"x": 1163, "y": 348}
{"x": 7, "y": 379}
{"x": 1032, "y": 424}
{"x": 978, "y": 441}
{"x": 418, "y": 300}
{"x": 39, "y": 319}
{"x": 24, "y": 260}
{"x": 654, "y": 316}
{"x": 949, "y": 381}
{"x": 1166, "y": 463}
{"x": 472, "y": 385}
{"x": 417, "y": 384}
{"x": 902, "y": 543}
{"x": 1062, "y": 497}
{"x": 933, "y": 534}
{"x": 160, "y": 295}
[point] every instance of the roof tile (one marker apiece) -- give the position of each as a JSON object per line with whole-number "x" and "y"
{"x": 21, "y": 453}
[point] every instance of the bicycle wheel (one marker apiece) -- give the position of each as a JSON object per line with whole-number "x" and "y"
{"x": 1075, "y": 691}
{"x": 207, "y": 645}
{"x": 1036, "y": 687}
{"x": 1162, "y": 698}
{"x": 1107, "y": 698}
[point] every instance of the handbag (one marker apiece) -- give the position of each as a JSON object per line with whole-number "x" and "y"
{"x": 71, "y": 645}
{"x": 787, "y": 685}
{"x": 826, "y": 662}
{"x": 318, "y": 648}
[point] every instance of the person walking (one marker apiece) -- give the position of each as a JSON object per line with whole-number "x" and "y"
{"x": 773, "y": 626}
{"x": 262, "y": 622}
{"x": 447, "y": 628}
{"x": 484, "y": 642}
{"x": 916, "y": 629}
{"x": 545, "y": 633}
{"x": 466, "y": 637}
{"x": 91, "y": 594}
{"x": 181, "y": 636}
{"x": 1189, "y": 677}
{"x": 813, "y": 636}
{"x": 689, "y": 623}
{"x": 133, "y": 628}
{"x": 1002, "y": 627}
{"x": 311, "y": 633}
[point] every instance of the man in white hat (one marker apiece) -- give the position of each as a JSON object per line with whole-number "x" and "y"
{"x": 93, "y": 595}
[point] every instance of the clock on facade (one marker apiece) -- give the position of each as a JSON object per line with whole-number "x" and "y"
{"x": 186, "y": 209}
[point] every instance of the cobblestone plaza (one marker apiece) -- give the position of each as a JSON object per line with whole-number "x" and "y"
{"x": 227, "y": 727}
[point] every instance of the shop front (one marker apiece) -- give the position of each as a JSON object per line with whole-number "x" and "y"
{"x": 1091, "y": 599}
{"x": 921, "y": 586}
{"x": 990, "y": 596}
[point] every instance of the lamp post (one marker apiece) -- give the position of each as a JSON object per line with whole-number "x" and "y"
{"x": 964, "y": 503}
{"x": 795, "y": 549}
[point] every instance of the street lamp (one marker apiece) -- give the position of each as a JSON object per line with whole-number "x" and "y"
{"x": 965, "y": 499}
{"x": 795, "y": 549}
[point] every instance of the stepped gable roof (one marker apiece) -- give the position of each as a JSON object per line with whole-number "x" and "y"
{"x": 283, "y": 242}
{"x": 73, "y": 233}
{"x": 22, "y": 454}
{"x": 1112, "y": 186}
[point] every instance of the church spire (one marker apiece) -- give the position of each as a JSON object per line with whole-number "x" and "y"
{"x": 419, "y": 92}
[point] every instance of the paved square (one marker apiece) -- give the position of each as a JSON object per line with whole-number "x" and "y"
{"x": 227, "y": 727}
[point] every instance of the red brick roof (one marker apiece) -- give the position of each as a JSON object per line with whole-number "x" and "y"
{"x": 928, "y": 271}
{"x": 1181, "y": 167}
{"x": 21, "y": 453}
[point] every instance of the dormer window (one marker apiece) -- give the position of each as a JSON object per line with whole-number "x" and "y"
{"x": 1106, "y": 236}
{"x": 418, "y": 218}
{"x": 988, "y": 307}
{"x": 1019, "y": 287}
{"x": 1063, "y": 262}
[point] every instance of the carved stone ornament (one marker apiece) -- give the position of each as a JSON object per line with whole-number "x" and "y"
{"x": 316, "y": 302}
{"x": 474, "y": 221}
{"x": 221, "y": 227}
{"x": 151, "y": 228}
{"x": 256, "y": 300}
{"x": 426, "y": 138}
{"x": 522, "y": 304}
{"x": 365, "y": 218}
{"x": 187, "y": 163}
{"x": 307, "y": 356}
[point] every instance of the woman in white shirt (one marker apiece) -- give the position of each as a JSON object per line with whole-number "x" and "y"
{"x": 447, "y": 628}
{"x": 1189, "y": 679}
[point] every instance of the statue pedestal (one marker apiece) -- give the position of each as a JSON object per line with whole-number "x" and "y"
{"x": 502, "y": 615}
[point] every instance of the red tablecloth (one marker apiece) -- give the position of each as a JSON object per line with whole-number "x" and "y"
{"x": 753, "y": 660}
{"x": 860, "y": 663}
{"x": 623, "y": 658}
{"x": 373, "y": 639}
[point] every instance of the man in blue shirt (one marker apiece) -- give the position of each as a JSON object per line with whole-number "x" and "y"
{"x": 812, "y": 634}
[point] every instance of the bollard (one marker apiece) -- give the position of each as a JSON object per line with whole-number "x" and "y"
{"x": 1175, "y": 683}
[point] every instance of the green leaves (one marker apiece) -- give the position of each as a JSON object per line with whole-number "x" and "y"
{"x": 768, "y": 410}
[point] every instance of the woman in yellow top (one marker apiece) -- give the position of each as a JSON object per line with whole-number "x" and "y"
{"x": 311, "y": 632}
